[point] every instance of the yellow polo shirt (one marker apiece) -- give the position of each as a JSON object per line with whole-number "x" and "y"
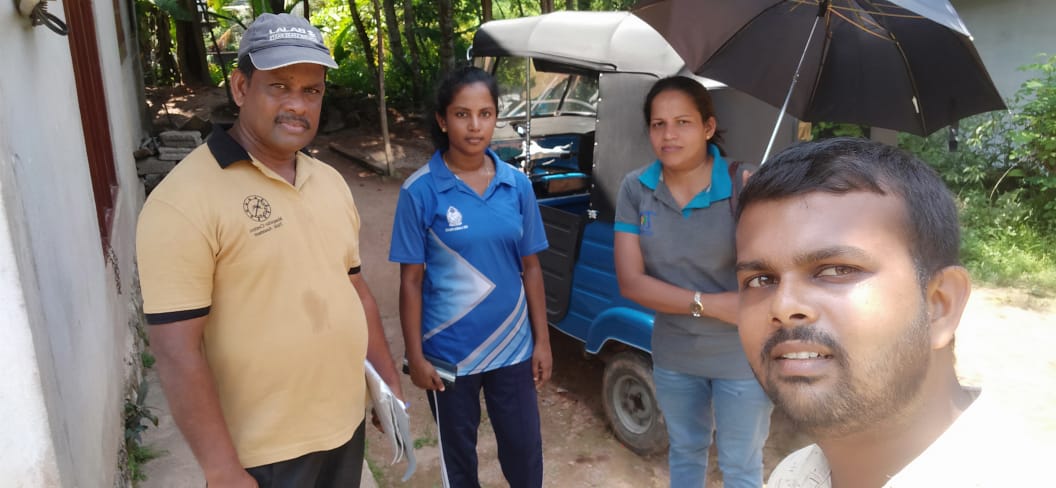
{"x": 267, "y": 262}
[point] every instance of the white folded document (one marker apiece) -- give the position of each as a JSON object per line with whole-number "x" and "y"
{"x": 395, "y": 422}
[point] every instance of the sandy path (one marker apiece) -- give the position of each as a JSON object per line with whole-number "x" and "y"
{"x": 1006, "y": 343}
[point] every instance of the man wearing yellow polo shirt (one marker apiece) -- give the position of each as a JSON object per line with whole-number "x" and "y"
{"x": 249, "y": 261}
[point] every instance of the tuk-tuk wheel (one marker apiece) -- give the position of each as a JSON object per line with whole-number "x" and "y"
{"x": 629, "y": 399}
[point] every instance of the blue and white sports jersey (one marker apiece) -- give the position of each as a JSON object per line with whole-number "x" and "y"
{"x": 474, "y": 309}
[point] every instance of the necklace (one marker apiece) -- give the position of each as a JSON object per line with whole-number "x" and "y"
{"x": 484, "y": 168}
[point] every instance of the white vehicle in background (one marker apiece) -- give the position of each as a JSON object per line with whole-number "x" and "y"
{"x": 572, "y": 85}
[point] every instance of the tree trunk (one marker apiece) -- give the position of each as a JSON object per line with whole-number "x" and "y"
{"x": 570, "y": 4}
{"x": 485, "y": 11}
{"x": 395, "y": 44}
{"x": 190, "y": 48}
{"x": 583, "y": 4}
{"x": 277, "y": 6}
{"x": 412, "y": 45}
{"x": 447, "y": 37}
{"x": 364, "y": 39}
{"x": 381, "y": 90}
{"x": 307, "y": 14}
{"x": 155, "y": 48}
{"x": 546, "y": 6}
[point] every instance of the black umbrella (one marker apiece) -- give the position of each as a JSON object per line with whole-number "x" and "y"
{"x": 907, "y": 65}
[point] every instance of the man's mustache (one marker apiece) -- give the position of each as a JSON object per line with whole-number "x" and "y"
{"x": 805, "y": 333}
{"x": 291, "y": 118}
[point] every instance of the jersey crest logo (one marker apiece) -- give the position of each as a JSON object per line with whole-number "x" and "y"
{"x": 454, "y": 217}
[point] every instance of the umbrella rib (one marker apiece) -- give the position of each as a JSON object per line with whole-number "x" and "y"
{"x": 879, "y": 13}
{"x": 860, "y": 26}
{"x": 912, "y": 84}
{"x": 909, "y": 74}
{"x": 821, "y": 62}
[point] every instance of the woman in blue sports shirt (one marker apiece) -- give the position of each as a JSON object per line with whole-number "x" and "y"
{"x": 674, "y": 251}
{"x": 466, "y": 233}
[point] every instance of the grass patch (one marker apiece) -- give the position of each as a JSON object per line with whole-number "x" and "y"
{"x": 425, "y": 441}
{"x": 1002, "y": 246}
{"x": 138, "y": 417}
{"x": 1012, "y": 261}
{"x": 138, "y": 455}
{"x": 375, "y": 471}
{"x": 147, "y": 358}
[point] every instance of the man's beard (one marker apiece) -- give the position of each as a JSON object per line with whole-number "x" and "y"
{"x": 876, "y": 393}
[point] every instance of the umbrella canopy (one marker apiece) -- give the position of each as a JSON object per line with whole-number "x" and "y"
{"x": 601, "y": 41}
{"x": 906, "y": 65}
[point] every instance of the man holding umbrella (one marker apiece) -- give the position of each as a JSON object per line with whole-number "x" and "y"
{"x": 848, "y": 320}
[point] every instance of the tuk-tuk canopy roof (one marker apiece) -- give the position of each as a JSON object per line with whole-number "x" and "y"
{"x": 601, "y": 41}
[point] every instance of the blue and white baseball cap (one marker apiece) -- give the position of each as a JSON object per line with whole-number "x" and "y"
{"x": 274, "y": 41}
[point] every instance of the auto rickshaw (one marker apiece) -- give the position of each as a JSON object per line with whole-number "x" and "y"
{"x": 572, "y": 85}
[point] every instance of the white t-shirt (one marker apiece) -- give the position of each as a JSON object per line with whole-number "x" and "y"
{"x": 979, "y": 449}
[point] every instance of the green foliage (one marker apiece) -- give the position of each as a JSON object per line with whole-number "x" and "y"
{"x": 1000, "y": 244}
{"x": 336, "y": 25}
{"x": 216, "y": 75}
{"x": 1004, "y": 175}
{"x": 825, "y": 130}
{"x": 425, "y": 441}
{"x": 147, "y": 359}
{"x": 172, "y": 8}
{"x": 334, "y": 19}
{"x": 260, "y": 7}
{"x": 138, "y": 456}
{"x": 136, "y": 413}
{"x": 1035, "y": 142}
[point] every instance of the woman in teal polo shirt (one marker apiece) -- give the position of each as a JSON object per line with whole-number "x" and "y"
{"x": 675, "y": 254}
{"x": 466, "y": 233}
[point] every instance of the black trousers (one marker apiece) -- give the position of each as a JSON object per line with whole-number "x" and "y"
{"x": 340, "y": 467}
{"x": 513, "y": 408}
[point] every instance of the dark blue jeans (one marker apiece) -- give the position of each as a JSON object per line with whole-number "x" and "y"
{"x": 509, "y": 394}
{"x": 337, "y": 468}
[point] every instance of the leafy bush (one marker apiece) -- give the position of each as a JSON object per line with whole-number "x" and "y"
{"x": 1004, "y": 176}
{"x": 1000, "y": 244}
{"x": 824, "y": 130}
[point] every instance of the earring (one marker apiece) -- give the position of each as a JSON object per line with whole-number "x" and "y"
{"x": 443, "y": 129}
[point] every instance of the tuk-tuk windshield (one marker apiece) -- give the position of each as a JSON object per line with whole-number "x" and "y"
{"x": 551, "y": 93}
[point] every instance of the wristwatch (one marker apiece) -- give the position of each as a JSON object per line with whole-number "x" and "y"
{"x": 696, "y": 308}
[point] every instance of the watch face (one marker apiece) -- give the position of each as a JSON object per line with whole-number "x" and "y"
{"x": 696, "y": 308}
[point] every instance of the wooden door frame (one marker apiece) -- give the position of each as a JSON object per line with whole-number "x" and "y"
{"x": 95, "y": 119}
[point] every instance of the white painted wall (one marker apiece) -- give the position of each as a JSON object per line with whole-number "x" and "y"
{"x": 1009, "y": 34}
{"x": 66, "y": 338}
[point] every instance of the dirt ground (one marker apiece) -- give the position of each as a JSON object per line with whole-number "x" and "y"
{"x": 1006, "y": 342}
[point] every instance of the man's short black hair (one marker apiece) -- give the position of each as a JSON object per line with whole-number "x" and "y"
{"x": 246, "y": 66}
{"x": 844, "y": 165}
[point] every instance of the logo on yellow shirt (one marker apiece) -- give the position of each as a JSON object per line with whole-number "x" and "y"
{"x": 256, "y": 208}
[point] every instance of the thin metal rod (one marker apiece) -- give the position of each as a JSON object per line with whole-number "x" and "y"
{"x": 527, "y": 161}
{"x": 795, "y": 78}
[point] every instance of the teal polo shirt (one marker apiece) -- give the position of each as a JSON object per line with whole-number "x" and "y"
{"x": 691, "y": 247}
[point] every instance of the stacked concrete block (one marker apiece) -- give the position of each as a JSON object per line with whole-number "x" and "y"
{"x": 177, "y": 144}
{"x": 171, "y": 147}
